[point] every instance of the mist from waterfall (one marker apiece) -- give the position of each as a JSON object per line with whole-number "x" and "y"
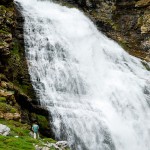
{"x": 97, "y": 94}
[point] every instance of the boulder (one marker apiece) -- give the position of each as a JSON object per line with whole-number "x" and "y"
{"x": 50, "y": 146}
{"x": 41, "y": 148}
{"x": 4, "y": 130}
{"x": 62, "y": 144}
{"x": 31, "y": 134}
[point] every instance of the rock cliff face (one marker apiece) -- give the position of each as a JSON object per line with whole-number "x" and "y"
{"x": 12, "y": 62}
{"x": 127, "y": 22}
{"x": 17, "y": 98}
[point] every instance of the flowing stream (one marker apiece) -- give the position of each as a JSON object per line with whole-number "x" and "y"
{"x": 97, "y": 94}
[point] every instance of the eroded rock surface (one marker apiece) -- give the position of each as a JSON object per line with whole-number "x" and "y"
{"x": 16, "y": 105}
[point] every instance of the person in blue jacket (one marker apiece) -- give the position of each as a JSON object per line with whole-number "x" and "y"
{"x": 35, "y": 129}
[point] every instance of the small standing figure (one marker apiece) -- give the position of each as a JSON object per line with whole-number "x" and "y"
{"x": 35, "y": 129}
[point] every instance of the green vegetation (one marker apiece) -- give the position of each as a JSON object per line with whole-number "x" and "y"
{"x": 2, "y": 76}
{"x": 49, "y": 140}
{"x": 5, "y": 108}
{"x": 4, "y": 32}
{"x": 19, "y": 75}
{"x": 3, "y": 43}
{"x": 123, "y": 44}
{"x": 15, "y": 50}
{"x": 42, "y": 121}
{"x": 12, "y": 143}
{"x": 26, "y": 89}
{"x": 19, "y": 138}
{"x": 2, "y": 99}
{"x": 17, "y": 128}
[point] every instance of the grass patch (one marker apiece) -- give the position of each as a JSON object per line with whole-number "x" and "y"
{"x": 13, "y": 143}
{"x": 17, "y": 128}
{"x": 3, "y": 99}
{"x": 24, "y": 88}
{"x": 23, "y": 141}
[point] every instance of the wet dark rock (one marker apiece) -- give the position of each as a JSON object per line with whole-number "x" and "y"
{"x": 26, "y": 103}
{"x": 6, "y": 2}
{"x": 16, "y": 105}
{"x": 14, "y": 71}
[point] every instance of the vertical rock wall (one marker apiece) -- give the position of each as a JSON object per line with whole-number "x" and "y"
{"x": 17, "y": 97}
{"x": 12, "y": 63}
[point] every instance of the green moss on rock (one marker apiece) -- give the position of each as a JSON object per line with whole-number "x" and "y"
{"x": 5, "y": 108}
{"x": 2, "y": 99}
{"x": 43, "y": 122}
{"x": 4, "y": 32}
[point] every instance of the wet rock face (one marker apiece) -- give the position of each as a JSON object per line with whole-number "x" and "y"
{"x": 13, "y": 63}
{"x": 127, "y": 22}
{"x": 133, "y": 22}
{"x": 16, "y": 105}
{"x": 6, "y": 2}
{"x": 6, "y": 24}
{"x": 17, "y": 98}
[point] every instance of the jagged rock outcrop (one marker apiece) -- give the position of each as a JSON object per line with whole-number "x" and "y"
{"x": 13, "y": 63}
{"x": 60, "y": 145}
{"x": 17, "y": 97}
{"x": 127, "y": 22}
{"x": 16, "y": 105}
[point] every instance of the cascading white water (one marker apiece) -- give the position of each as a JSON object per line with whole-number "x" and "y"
{"x": 97, "y": 94}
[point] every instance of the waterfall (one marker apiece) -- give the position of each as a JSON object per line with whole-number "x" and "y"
{"x": 97, "y": 94}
